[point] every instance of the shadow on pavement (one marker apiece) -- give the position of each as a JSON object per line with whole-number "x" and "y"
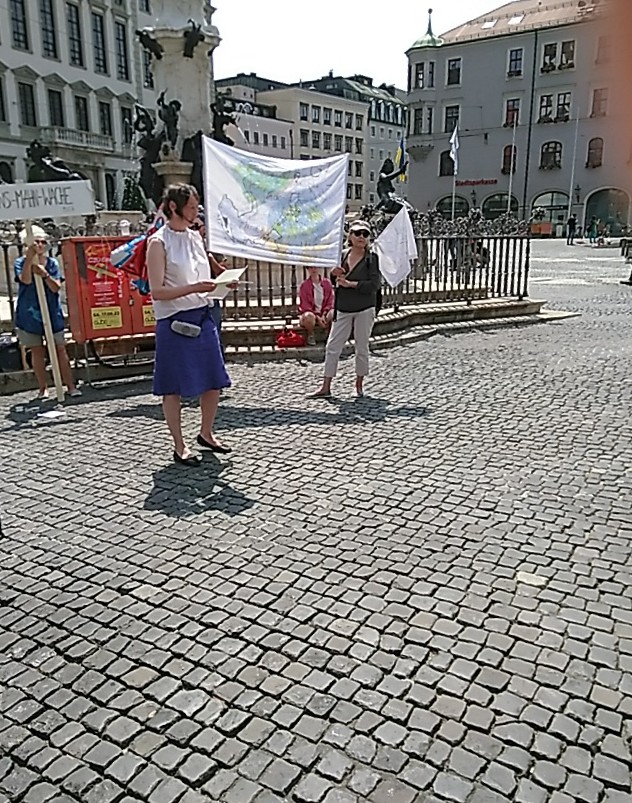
{"x": 34, "y": 414}
{"x": 180, "y": 491}
{"x": 333, "y": 411}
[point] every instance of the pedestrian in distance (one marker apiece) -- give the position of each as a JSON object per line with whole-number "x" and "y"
{"x": 571, "y": 230}
{"x": 188, "y": 360}
{"x": 357, "y": 282}
{"x": 28, "y": 314}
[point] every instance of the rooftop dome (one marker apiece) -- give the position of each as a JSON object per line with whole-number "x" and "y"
{"x": 429, "y": 40}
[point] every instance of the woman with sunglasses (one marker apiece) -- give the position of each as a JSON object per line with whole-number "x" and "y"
{"x": 357, "y": 284}
{"x": 28, "y": 315}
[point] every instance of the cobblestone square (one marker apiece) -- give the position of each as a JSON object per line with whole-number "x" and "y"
{"x": 420, "y": 596}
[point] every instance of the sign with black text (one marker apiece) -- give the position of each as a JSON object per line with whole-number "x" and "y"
{"x": 52, "y": 199}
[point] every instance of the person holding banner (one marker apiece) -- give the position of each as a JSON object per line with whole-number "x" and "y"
{"x": 28, "y": 314}
{"x": 357, "y": 284}
{"x": 188, "y": 359}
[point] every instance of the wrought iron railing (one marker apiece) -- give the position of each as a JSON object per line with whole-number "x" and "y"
{"x": 462, "y": 266}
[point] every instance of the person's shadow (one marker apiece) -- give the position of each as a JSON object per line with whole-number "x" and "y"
{"x": 332, "y": 411}
{"x": 181, "y": 492}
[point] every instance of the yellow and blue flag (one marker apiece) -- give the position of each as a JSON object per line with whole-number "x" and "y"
{"x": 400, "y": 157}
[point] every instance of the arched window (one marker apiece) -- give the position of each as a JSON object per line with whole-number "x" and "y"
{"x": 509, "y": 159}
{"x": 461, "y": 206}
{"x": 611, "y": 207}
{"x": 499, "y": 204}
{"x": 6, "y": 172}
{"x": 595, "y": 152}
{"x": 554, "y": 205}
{"x": 446, "y": 165}
{"x": 551, "y": 156}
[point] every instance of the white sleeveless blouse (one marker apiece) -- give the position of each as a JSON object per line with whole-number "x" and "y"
{"x": 187, "y": 263}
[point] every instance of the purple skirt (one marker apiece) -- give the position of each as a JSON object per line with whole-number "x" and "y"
{"x": 188, "y": 366}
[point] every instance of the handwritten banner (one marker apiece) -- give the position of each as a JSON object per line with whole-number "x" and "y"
{"x": 46, "y": 199}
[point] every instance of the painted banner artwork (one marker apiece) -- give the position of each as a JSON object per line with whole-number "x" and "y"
{"x": 275, "y": 210}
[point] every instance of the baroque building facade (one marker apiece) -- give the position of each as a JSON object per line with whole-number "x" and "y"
{"x": 541, "y": 121}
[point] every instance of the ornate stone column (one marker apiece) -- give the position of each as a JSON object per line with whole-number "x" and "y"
{"x": 181, "y": 42}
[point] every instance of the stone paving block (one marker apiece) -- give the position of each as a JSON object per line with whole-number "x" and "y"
{"x": 222, "y": 623}
{"x": 311, "y": 789}
{"x": 242, "y": 791}
{"x": 452, "y": 787}
{"x": 279, "y": 776}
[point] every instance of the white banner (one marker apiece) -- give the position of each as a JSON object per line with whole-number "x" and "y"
{"x": 397, "y": 248}
{"x": 46, "y": 199}
{"x": 275, "y": 210}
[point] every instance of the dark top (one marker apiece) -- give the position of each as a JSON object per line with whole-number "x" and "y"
{"x": 364, "y": 296}
{"x": 28, "y": 315}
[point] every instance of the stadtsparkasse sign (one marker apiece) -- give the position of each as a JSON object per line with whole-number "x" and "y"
{"x": 475, "y": 182}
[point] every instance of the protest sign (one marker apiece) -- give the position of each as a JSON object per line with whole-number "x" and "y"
{"x": 46, "y": 200}
{"x": 34, "y": 201}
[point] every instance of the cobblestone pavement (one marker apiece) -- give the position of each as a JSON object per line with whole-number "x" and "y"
{"x": 425, "y": 595}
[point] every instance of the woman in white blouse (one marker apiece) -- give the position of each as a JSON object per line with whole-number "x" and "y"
{"x": 189, "y": 360}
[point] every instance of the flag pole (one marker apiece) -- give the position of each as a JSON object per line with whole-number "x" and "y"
{"x": 570, "y": 191}
{"x": 454, "y": 155}
{"x": 511, "y": 164}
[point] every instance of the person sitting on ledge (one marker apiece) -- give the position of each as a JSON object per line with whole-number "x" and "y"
{"x": 316, "y": 303}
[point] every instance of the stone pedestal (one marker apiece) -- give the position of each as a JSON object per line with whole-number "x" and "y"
{"x": 172, "y": 171}
{"x": 188, "y": 80}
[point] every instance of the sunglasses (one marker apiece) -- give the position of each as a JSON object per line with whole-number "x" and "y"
{"x": 40, "y": 242}
{"x": 361, "y": 233}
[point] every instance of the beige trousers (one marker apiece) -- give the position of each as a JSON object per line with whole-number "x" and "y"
{"x": 361, "y": 324}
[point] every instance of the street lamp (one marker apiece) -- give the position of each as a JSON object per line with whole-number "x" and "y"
{"x": 578, "y": 191}
{"x": 474, "y": 198}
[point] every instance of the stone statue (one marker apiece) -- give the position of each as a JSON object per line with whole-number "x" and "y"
{"x": 47, "y": 167}
{"x": 192, "y": 38}
{"x": 149, "y": 43}
{"x": 221, "y": 118}
{"x": 151, "y": 143}
{"x": 143, "y": 121}
{"x": 192, "y": 152}
{"x": 208, "y": 13}
{"x": 389, "y": 200}
{"x": 169, "y": 113}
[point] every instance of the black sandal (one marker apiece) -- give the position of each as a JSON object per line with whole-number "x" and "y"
{"x": 214, "y": 447}
{"x": 193, "y": 460}
{"x": 320, "y": 394}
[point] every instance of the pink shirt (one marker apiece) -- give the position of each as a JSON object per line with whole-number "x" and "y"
{"x": 306, "y": 297}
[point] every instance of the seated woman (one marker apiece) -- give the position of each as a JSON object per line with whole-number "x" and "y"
{"x": 316, "y": 303}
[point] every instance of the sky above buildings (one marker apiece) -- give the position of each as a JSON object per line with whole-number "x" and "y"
{"x": 290, "y": 41}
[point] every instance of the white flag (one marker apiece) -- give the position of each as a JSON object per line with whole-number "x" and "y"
{"x": 454, "y": 149}
{"x": 396, "y": 248}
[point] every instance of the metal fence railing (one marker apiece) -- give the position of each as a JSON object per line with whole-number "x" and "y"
{"x": 449, "y": 269}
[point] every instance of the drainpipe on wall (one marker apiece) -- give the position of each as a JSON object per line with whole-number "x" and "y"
{"x": 530, "y": 126}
